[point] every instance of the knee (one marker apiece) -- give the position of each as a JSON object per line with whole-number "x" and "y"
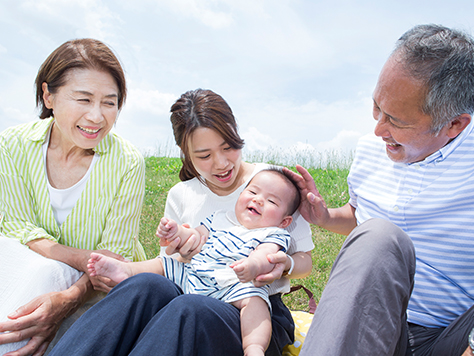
{"x": 148, "y": 285}
{"x": 381, "y": 240}
{"x": 382, "y": 235}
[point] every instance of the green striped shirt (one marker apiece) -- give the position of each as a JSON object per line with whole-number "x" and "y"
{"x": 107, "y": 214}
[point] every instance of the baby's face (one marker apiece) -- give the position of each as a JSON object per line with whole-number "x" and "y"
{"x": 264, "y": 202}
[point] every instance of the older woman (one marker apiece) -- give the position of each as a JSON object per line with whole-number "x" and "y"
{"x": 67, "y": 186}
{"x": 149, "y": 313}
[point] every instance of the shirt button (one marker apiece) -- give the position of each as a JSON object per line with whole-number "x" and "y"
{"x": 395, "y": 208}
{"x": 410, "y": 191}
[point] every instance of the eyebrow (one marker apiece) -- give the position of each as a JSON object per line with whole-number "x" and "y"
{"x": 270, "y": 195}
{"x": 85, "y": 92}
{"x": 208, "y": 149}
{"x": 390, "y": 116}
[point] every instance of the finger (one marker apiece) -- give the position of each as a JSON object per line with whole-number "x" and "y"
{"x": 274, "y": 274}
{"x": 25, "y": 309}
{"x": 42, "y": 349}
{"x": 103, "y": 284}
{"x": 294, "y": 175}
{"x": 173, "y": 246}
{"x": 33, "y": 347}
{"x": 17, "y": 334}
{"x": 279, "y": 257}
{"x": 188, "y": 246}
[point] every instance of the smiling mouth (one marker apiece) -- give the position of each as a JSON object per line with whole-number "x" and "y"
{"x": 88, "y": 131}
{"x": 253, "y": 211}
{"x": 224, "y": 175}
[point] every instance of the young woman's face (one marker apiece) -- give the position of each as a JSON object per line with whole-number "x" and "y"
{"x": 85, "y": 108}
{"x": 215, "y": 160}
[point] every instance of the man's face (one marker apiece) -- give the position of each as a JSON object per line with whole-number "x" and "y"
{"x": 406, "y": 130}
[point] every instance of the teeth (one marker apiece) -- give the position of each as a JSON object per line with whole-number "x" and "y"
{"x": 89, "y": 131}
{"x": 223, "y": 174}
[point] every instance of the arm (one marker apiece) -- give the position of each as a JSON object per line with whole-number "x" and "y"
{"x": 256, "y": 263}
{"x": 313, "y": 207}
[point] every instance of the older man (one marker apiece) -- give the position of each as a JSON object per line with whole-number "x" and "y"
{"x": 411, "y": 199}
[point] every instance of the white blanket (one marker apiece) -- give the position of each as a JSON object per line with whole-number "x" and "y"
{"x": 25, "y": 275}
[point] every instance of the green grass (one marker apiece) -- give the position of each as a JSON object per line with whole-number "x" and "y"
{"x": 162, "y": 174}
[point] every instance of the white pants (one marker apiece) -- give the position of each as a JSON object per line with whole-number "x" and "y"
{"x": 25, "y": 275}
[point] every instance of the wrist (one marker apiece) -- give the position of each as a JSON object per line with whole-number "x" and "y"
{"x": 289, "y": 266}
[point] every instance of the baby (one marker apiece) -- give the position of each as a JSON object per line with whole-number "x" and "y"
{"x": 237, "y": 243}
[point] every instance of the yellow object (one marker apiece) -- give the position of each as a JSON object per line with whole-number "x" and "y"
{"x": 302, "y": 321}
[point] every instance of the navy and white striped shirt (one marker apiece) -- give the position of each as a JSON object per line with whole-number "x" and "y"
{"x": 433, "y": 202}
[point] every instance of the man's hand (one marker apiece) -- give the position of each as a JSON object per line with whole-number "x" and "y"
{"x": 312, "y": 207}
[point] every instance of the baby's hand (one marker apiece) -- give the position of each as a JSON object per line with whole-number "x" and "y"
{"x": 244, "y": 270}
{"x": 166, "y": 231}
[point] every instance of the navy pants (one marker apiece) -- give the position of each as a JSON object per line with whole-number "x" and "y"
{"x": 149, "y": 315}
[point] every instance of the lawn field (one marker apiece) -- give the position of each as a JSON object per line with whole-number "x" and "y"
{"x": 162, "y": 174}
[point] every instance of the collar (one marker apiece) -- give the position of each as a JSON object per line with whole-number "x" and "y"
{"x": 41, "y": 128}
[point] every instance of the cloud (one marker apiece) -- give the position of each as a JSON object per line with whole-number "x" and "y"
{"x": 343, "y": 140}
{"x": 323, "y": 125}
{"x": 211, "y": 13}
{"x": 256, "y": 140}
{"x": 152, "y": 102}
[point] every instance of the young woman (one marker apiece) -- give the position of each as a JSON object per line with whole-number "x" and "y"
{"x": 149, "y": 313}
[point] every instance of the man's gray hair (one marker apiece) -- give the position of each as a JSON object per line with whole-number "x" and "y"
{"x": 443, "y": 60}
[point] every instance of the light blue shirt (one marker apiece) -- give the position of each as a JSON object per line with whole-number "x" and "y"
{"x": 433, "y": 202}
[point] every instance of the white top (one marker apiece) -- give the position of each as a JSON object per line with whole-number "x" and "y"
{"x": 64, "y": 200}
{"x": 433, "y": 202}
{"x": 191, "y": 202}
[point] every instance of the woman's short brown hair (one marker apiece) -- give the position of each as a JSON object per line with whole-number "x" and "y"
{"x": 83, "y": 53}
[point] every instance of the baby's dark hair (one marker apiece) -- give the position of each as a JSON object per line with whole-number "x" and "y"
{"x": 295, "y": 202}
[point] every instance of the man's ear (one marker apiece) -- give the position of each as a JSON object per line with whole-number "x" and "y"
{"x": 47, "y": 96}
{"x": 457, "y": 125}
{"x": 286, "y": 221}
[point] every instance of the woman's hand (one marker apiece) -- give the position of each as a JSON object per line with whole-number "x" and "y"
{"x": 303, "y": 265}
{"x": 186, "y": 249}
{"x": 279, "y": 260}
{"x": 38, "y": 320}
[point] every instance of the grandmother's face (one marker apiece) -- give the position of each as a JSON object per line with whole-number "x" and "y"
{"x": 84, "y": 109}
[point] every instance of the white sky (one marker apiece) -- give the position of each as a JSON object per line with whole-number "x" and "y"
{"x": 296, "y": 73}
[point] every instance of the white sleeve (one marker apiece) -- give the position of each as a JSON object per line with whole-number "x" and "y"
{"x": 172, "y": 207}
{"x": 300, "y": 231}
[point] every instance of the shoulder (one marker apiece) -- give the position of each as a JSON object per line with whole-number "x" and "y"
{"x": 189, "y": 186}
{"x": 119, "y": 150}
{"x": 27, "y": 132}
